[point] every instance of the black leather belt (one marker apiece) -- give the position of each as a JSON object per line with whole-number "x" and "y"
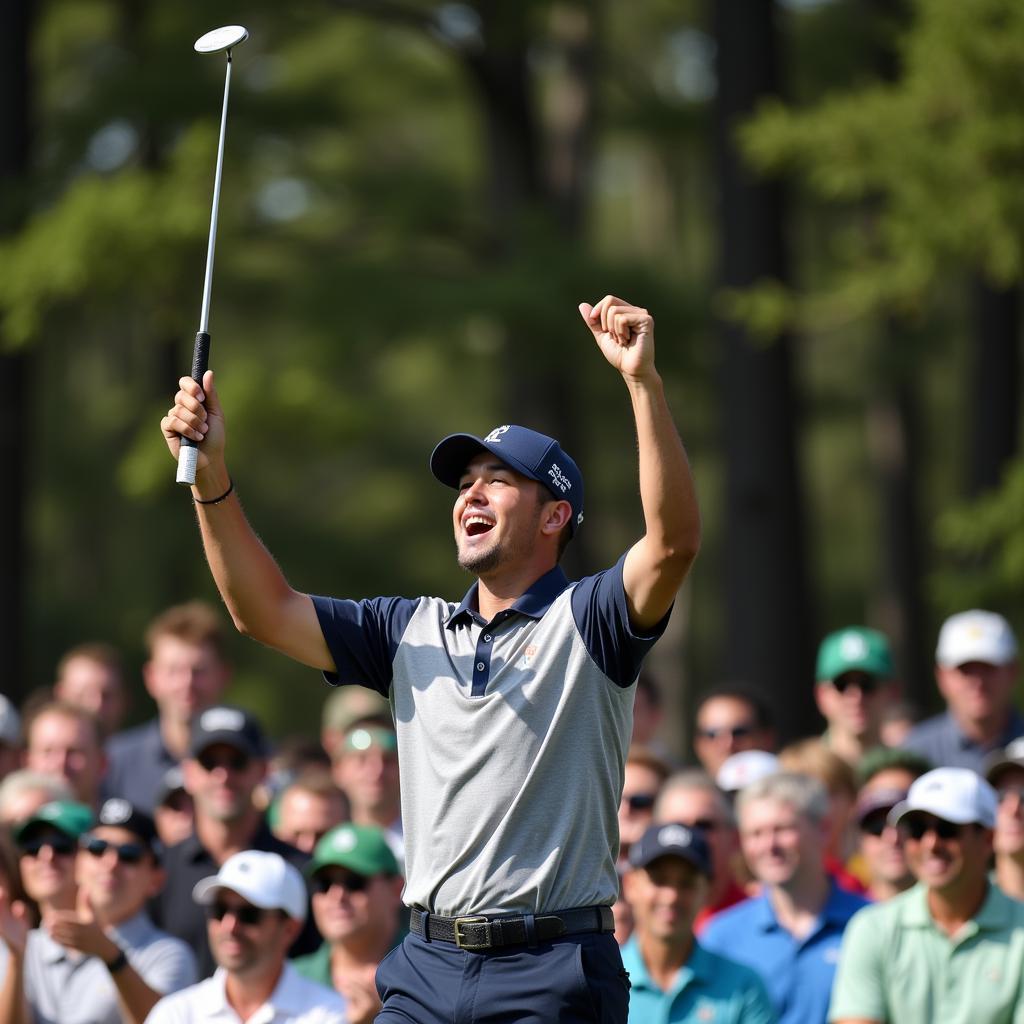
{"x": 476, "y": 932}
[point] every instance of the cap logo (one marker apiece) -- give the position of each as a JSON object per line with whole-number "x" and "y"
{"x": 559, "y": 479}
{"x": 344, "y": 841}
{"x": 222, "y": 719}
{"x": 675, "y": 835}
{"x": 494, "y": 437}
{"x": 115, "y": 811}
{"x": 852, "y": 646}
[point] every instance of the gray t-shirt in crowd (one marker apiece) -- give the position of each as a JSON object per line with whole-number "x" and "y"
{"x": 65, "y": 987}
{"x": 512, "y": 737}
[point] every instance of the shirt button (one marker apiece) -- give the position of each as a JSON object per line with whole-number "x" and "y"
{"x": 487, "y": 638}
{"x": 480, "y": 666}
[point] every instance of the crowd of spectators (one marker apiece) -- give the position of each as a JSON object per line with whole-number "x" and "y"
{"x": 188, "y": 869}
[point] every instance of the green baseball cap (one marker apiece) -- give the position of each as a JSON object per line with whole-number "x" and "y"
{"x": 854, "y": 649}
{"x": 65, "y": 816}
{"x": 360, "y": 848}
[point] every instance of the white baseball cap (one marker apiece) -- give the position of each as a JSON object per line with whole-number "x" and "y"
{"x": 975, "y": 636}
{"x": 10, "y": 723}
{"x": 959, "y": 795}
{"x": 266, "y": 880}
{"x": 740, "y": 770}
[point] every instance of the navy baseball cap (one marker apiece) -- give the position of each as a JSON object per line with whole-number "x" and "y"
{"x": 672, "y": 840}
{"x": 118, "y": 813}
{"x": 535, "y": 455}
{"x": 230, "y": 725}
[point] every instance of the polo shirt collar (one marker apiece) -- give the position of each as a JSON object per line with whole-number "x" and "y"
{"x": 286, "y": 997}
{"x": 1014, "y": 728}
{"x": 699, "y": 967}
{"x": 995, "y": 913}
{"x": 834, "y": 911}
{"x": 533, "y": 603}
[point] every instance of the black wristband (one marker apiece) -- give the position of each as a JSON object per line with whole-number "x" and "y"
{"x": 217, "y": 501}
{"x": 118, "y": 963}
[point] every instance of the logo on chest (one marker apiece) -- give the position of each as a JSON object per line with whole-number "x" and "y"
{"x": 531, "y": 652}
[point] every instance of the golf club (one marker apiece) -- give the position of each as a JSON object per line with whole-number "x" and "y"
{"x": 213, "y": 42}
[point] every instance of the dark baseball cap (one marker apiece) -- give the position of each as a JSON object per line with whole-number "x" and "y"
{"x": 877, "y": 800}
{"x": 230, "y": 725}
{"x": 118, "y": 813}
{"x": 535, "y": 455}
{"x": 671, "y": 840}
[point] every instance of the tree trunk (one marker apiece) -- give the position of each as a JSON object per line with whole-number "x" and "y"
{"x": 993, "y": 400}
{"x": 15, "y": 20}
{"x": 769, "y": 629}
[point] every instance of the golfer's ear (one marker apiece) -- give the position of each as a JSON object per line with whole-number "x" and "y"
{"x": 556, "y": 515}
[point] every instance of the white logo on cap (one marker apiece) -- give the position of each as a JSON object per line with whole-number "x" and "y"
{"x": 852, "y": 647}
{"x": 558, "y": 478}
{"x": 226, "y": 719}
{"x": 675, "y": 835}
{"x": 579, "y": 519}
{"x": 115, "y": 811}
{"x": 345, "y": 841}
{"x": 495, "y": 435}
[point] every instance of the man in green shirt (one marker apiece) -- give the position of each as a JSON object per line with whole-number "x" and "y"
{"x": 357, "y": 896}
{"x": 950, "y": 949}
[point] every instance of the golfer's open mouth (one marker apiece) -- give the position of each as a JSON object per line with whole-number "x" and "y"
{"x": 477, "y": 525}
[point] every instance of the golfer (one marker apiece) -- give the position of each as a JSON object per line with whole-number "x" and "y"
{"x": 512, "y": 707}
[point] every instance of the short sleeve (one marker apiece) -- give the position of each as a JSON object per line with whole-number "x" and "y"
{"x": 363, "y": 637}
{"x": 858, "y": 992}
{"x": 602, "y": 618}
{"x": 169, "y": 966}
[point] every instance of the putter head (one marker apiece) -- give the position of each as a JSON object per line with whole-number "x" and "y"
{"x": 222, "y": 38}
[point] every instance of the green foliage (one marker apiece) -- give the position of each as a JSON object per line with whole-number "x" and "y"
{"x": 929, "y": 165}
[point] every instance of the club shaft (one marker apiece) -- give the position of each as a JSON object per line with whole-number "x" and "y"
{"x": 204, "y": 315}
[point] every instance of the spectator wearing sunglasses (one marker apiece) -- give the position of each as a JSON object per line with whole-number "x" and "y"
{"x": 951, "y": 948}
{"x": 643, "y": 777}
{"x": 976, "y": 671}
{"x": 46, "y": 843}
{"x": 254, "y": 908}
{"x": 357, "y": 898}
{"x": 729, "y": 720}
{"x": 102, "y": 961}
{"x": 854, "y": 686}
{"x": 1005, "y": 773}
{"x": 692, "y": 799}
{"x": 227, "y": 762}
{"x": 884, "y": 776}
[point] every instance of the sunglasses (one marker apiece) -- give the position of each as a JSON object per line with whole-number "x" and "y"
{"x": 875, "y": 824}
{"x": 917, "y": 828}
{"x": 60, "y": 846}
{"x": 350, "y": 882}
{"x": 127, "y": 853}
{"x": 641, "y": 801}
{"x": 704, "y": 824}
{"x": 236, "y": 761}
{"x": 736, "y": 732}
{"x": 865, "y": 683}
{"x": 245, "y": 914}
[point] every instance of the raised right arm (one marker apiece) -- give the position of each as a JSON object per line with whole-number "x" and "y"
{"x": 262, "y": 604}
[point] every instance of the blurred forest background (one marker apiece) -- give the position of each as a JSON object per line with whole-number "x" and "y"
{"x": 822, "y": 202}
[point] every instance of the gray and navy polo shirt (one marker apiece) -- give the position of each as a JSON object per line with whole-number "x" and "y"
{"x": 512, "y": 737}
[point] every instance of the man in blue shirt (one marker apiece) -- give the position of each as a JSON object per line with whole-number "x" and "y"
{"x": 674, "y": 980}
{"x": 509, "y": 706}
{"x": 791, "y": 933}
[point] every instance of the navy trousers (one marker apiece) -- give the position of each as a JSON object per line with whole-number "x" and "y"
{"x": 576, "y": 979}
